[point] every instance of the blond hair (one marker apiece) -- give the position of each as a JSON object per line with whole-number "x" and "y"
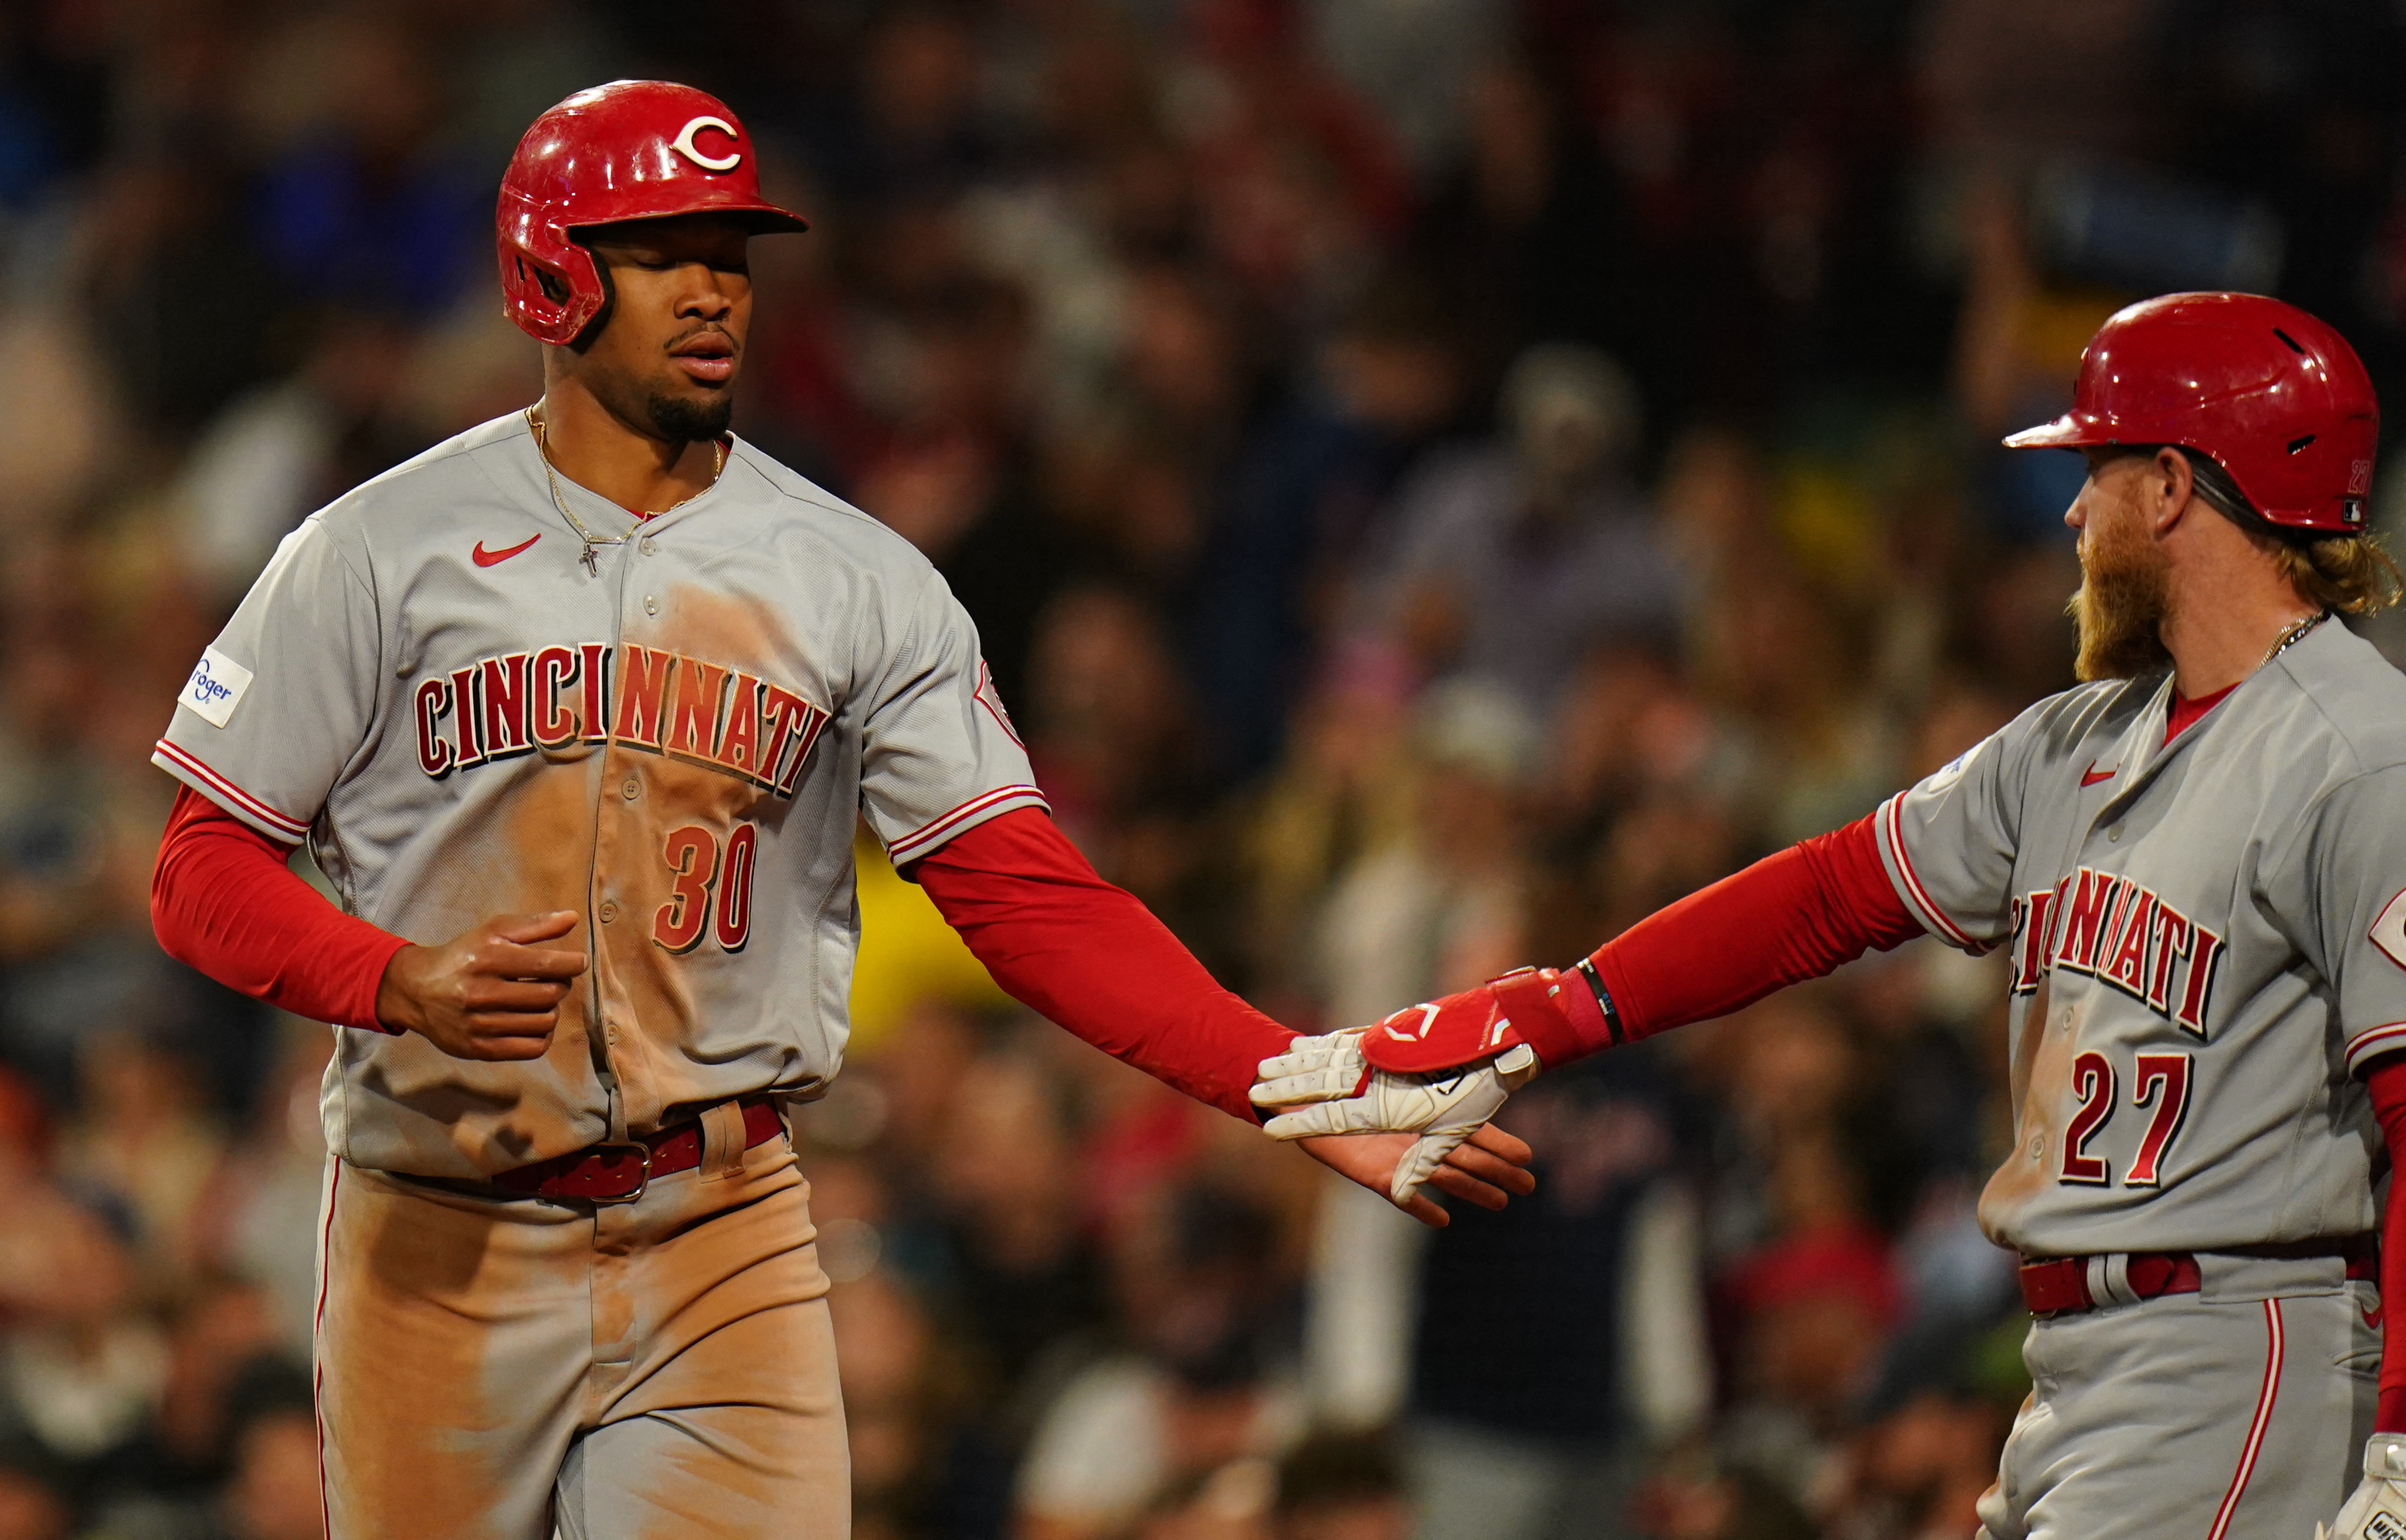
{"x": 2352, "y": 573}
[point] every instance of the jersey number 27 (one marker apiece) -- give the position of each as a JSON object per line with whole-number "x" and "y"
{"x": 2160, "y": 1086}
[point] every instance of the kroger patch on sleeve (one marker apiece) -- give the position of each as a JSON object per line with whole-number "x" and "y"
{"x": 215, "y": 688}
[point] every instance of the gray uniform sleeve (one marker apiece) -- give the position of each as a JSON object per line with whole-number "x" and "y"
{"x": 2356, "y": 880}
{"x": 1948, "y": 843}
{"x": 285, "y": 696}
{"x": 939, "y": 754}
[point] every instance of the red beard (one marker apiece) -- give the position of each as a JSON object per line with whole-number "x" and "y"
{"x": 2124, "y": 598}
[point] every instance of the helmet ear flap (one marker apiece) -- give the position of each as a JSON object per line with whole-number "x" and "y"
{"x": 554, "y": 287}
{"x": 542, "y": 289}
{"x": 597, "y": 315}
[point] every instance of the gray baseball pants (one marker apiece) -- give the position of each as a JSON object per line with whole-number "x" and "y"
{"x": 2236, "y": 1413}
{"x": 491, "y": 1368}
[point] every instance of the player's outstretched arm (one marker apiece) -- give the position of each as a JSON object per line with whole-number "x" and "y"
{"x": 491, "y": 992}
{"x": 1443, "y": 1068}
{"x": 1088, "y": 955}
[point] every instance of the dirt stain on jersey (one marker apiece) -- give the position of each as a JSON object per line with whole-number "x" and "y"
{"x": 2041, "y": 1085}
{"x": 529, "y": 857}
{"x": 669, "y": 868}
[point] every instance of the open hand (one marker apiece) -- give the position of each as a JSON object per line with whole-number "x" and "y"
{"x": 491, "y": 992}
{"x": 1487, "y": 1168}
{"x": 1324, "y": 1084}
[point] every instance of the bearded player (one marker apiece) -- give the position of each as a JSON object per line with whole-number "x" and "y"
{"x": 2198, "y": 861}
{"x": 578, "y": 711}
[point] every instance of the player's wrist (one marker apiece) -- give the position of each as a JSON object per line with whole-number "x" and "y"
{"x": 398, "y": 1007}
{"x": 1558, "y": 1015}
{"x": 2385, "y": 1455}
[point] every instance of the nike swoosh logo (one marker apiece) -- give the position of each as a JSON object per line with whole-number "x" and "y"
{"x": 2091, "y": 776}
{"x": 484, "y": 557}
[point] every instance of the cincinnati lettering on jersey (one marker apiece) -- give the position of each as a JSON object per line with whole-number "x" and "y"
{"x": 2121, "y": 933}
{"x": 645, "y": 698}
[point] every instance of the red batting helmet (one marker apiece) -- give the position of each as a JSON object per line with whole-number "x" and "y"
{"x": 2273, "y": 396}
{"x": 632, "y": 150}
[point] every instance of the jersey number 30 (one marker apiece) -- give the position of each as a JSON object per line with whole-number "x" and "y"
{"x": 2161, "y": 1086}
{"x": 697, "y": 869}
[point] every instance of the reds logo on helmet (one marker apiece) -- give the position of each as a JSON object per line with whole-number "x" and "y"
{"x": 682, "y": 144}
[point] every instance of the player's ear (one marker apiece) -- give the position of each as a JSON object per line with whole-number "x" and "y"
{"x": 2171, "y": 482}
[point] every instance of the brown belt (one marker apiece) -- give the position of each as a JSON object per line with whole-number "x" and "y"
{"x": 612, "y": 1172}
{"x": 2059, "y": 1285}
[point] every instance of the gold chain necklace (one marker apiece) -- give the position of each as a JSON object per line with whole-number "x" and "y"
{"x": 2295, "y": 634}
{"x": 593, "y": 543}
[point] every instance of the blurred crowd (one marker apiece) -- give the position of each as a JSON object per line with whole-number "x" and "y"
{"x": 1436, "y": 479}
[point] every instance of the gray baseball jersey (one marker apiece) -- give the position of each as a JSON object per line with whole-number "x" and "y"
{"x": 429, "y": 687}
{"x": 2207, "y": 938}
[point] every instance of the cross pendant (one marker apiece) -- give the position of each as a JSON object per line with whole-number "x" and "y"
{"x": 592, "y": 559}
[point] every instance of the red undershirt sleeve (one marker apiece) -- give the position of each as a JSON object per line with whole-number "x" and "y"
{"x": 2385, "y": 1078}
{"x": 1796, "y": 916}
{"x": 223, "y": 901}
{"x": 1075, "y": 949}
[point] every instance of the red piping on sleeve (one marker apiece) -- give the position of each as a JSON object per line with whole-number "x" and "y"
{"x": 223, "y": 901}
{"x": 277, "y": 824}
{"x": 1888, "y": 825}
{"x": 1796, "y": 916}
{"x": 1087, "y": 955}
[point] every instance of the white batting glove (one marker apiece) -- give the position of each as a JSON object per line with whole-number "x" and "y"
{"x": 2378, "y": 1509}
{"x": 1328, "y": 1087}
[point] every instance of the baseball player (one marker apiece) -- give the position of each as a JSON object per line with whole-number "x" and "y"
{"x": 577, "y": 712}
{"x": 2197, "y": 861}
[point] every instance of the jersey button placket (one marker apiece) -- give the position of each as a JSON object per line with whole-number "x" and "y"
{"x": 622, "y": 846}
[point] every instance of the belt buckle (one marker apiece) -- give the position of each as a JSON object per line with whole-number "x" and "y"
{"x": 643, "y": 1153}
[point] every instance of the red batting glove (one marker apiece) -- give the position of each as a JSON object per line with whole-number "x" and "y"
{"x": 1557, "y": 1014}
